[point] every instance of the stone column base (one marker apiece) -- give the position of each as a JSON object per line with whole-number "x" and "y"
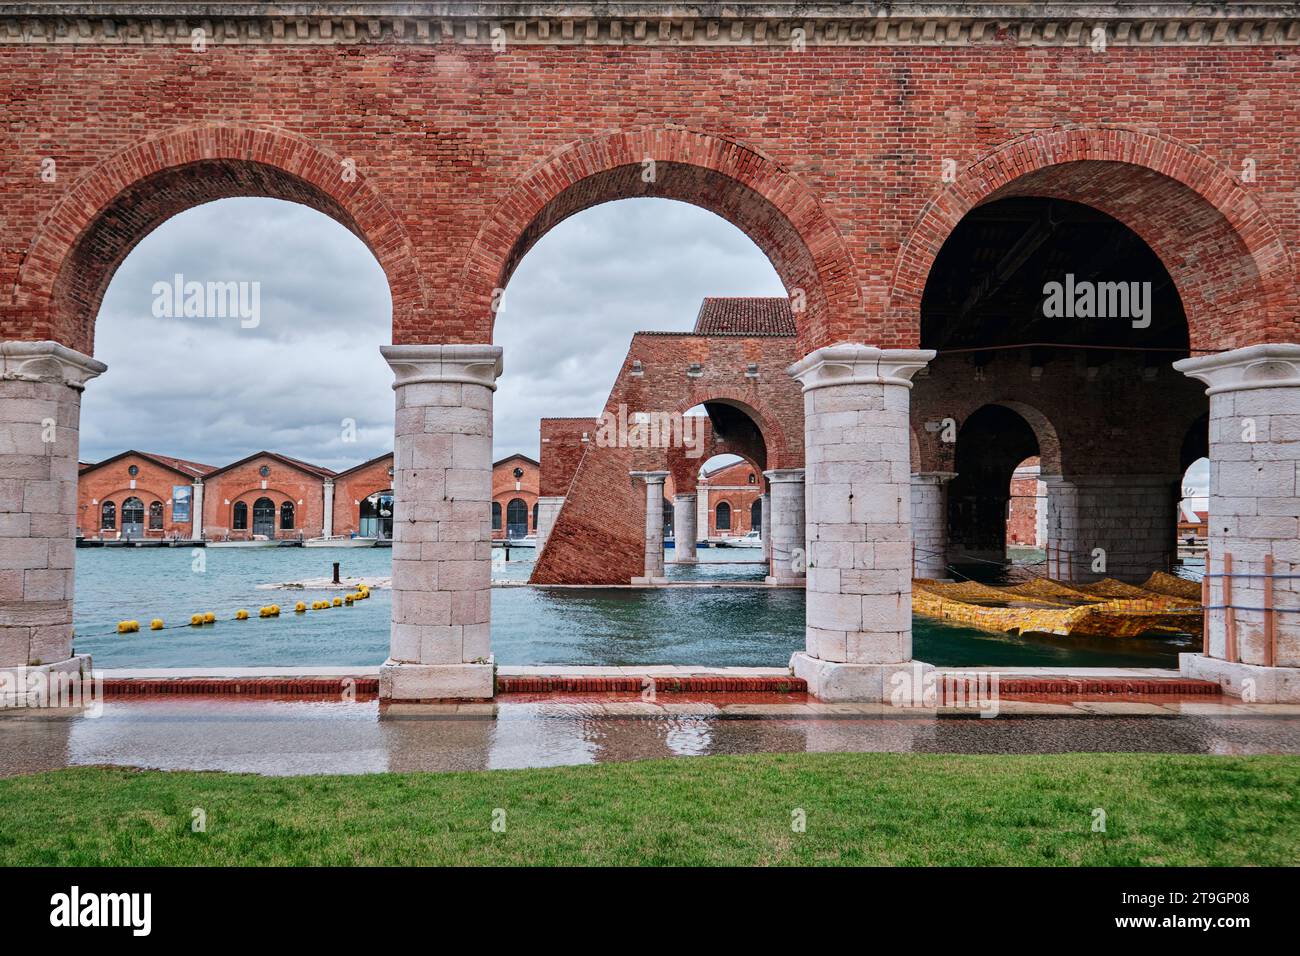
{"x": 646, "y": 582}
{"x": 431, "y": 683}
{"x": 1253, "y": 682}
{"x": 38, "y": 685}
{"x": 870, "y": 683}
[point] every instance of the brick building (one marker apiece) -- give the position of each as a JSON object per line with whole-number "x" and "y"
{"x": 917, "y": 174}
{"x": 137, "y": 495}
{"x": 730, "y": 499}
{"x": 514, "y": 497}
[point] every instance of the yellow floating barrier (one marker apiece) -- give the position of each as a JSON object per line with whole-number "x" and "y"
{"x": 128, "y": 627}
{"x": 348, "y": 599}
{"x": 241, "y": 615}
{"x": 337, "y": 602}
{"x": 209, "y": 617}
{"x": 299, "y": 608}
{"x": 196, "y": 620}
{"x": 156, "y": 624}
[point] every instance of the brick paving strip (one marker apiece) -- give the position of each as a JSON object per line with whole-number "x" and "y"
{"x": 1139, "y": 686}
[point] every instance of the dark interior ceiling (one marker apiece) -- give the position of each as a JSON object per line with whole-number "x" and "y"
{"x": 986, "y": 286}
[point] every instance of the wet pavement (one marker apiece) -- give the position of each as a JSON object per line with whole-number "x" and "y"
{"x": 277, "y": 737}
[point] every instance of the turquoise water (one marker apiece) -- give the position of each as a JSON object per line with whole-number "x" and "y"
{"x": 738, "y": 627}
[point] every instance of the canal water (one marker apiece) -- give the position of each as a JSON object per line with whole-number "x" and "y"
{"x": 704, "y": 626}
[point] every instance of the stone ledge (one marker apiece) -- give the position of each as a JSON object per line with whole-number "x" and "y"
{"x": 654, "y": 24}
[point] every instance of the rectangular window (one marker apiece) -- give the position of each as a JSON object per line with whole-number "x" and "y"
{"x": 181, "y": 502}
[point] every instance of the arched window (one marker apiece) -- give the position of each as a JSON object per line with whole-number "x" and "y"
{"x": 155, "y": 516}
{"x": 132, "y": 516}
{"x": 534, "y": 515}
{"x": 756, "y": 515}
{"x": 723, "y": 520}
{"x": 753, "y": 479}
{"x": 286, "y": 516}
{"x": 264, "y": 517}
{"x": 108, "y": 516}
{"x": 239, "y": 522}
{"x": 377, "y": 516}
{"x": 516, "y": 518}
{"x": 496, "y": 516}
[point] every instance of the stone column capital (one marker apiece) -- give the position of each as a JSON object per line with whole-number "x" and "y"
{"x": 650, "y": 477}
{"x": 1274, "y": 365}
{"x": 48, "y": 362}
{"x": 784, "y": 474}
{"x": 444, "y": 364}
{"x": 850, "y": 364}
{"x": 687, "y": 496}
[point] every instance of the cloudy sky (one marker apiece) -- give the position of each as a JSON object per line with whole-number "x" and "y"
{"x": 212, "y": 390}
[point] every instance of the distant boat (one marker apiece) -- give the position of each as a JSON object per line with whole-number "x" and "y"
{"x": 257, "y": 541}
{"x": 527, "y": 542}
{"x": 339, "y": 541}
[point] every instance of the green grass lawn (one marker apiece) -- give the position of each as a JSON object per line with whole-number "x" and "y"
{"x": 860, "y": 809}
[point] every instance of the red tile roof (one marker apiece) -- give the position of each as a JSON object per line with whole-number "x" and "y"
{"x": 745, "y": 316}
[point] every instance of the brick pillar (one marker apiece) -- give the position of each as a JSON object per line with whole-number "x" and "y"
{"x": 548, "y": 509}
{"x": 442, "y": 545}
{"x": 1254, "y": 512}
{"x": 196, "y": 511}
{"x": 684, "y": 533}
{"x": 859, "y": 488}
{"x": 654, "y": 526}
{"x": 930, "y": 522}
{"x": 789, "y": 557}
{"x": 766, "y": 530}
{"x": 40, "y": 417}
{"x": 1116, "y": 526}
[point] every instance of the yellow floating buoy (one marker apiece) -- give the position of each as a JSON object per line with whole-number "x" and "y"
{"x": 128, "y": 627}
{"x": 299, "y": 608}
{"x": 156, "y": 624}
{"x": 337, "y": 602}
{"x": 209, "y": 617}
{"x": 241, "y": 615}
{"x": 196, "y": 620}
{"x": 347, "y": 599}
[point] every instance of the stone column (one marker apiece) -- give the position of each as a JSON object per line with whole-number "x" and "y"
{"x": 40, "y": 417}
{"x": 442, "y": 545}
{"x": 859, "y": 487}
{"x": 789, "y": 556}
{"x": 930, "y": 523}
{"x": 654, "y": 526}
{"x": 548, "y": 509}
{"x": 684, "y": 533}
{"x": 1254, "y": 513}
{"x": 1116, "y": 526}
{"x": 1062, "y": 545}
{"x": 196, "y": 511}
{"x": 766, "y": 529}
{"x": 327, "y": 525}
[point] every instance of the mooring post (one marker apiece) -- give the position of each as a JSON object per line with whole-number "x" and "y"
{"x": 336, "y": 572}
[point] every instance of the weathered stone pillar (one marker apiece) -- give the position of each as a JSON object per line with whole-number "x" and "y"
{"x": 1254, "y": 513}
{"x": 930, "y": 523}
{"x": 548, "y": 509}
{"x": 859, "y": 489}
{"x": 327, "y": 525}
{"x": 654, "y": 526}
{"x": 40, "y": 417}
{"x": 196, "y": 511}
{"x": 1124, "y": 525}
{"x": 442, "y": 545}
{"x": 1062, "y": 529}
{"x": 684, "y": 511}
{"x": 766, "y": 529}
{"x": 789, "y": 557}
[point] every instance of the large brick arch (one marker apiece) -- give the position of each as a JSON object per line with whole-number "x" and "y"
{"x": 1231, "y": 268}
{"x": 120, "y": 200}
{"x": 737, "y": 182}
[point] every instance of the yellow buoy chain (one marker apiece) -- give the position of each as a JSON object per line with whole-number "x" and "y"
{"x": 271, "y": 610}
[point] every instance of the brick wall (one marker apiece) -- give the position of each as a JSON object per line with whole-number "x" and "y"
{"x": 244, "y": 482}
{"x": 507, "y": 487}
{"x": 465, "y": 155}
{"x": 732, "y": 485}
{"x": 562, "y": 448}
{"x": 354, "y": 486}
{"x": 113, "y": 482}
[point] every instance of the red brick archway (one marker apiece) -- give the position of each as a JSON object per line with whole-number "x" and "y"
{"x": 742, "y": 185}
{"x": 117, "y": 203}
{"x": 1228, "y": 263}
